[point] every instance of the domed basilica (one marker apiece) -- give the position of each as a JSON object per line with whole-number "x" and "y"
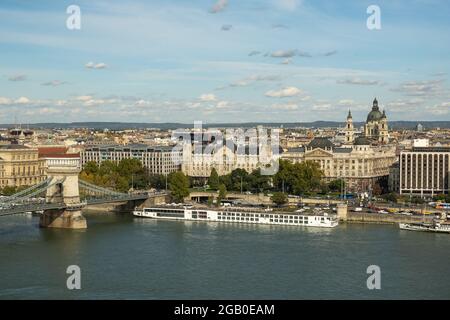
{"x": 375, "y": 128}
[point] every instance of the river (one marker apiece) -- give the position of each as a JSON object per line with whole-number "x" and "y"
{"x": 121, "y": 257}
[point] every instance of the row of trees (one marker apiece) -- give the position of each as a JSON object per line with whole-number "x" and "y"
{"x": 394, "y": 197}
{"x": 240, "y": 180}
{"x": 10, "y": 190}
{"x": 122, "y": 176}
{"x": 294, "y": 178}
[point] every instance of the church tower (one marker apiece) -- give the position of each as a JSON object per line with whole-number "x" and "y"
{"x": 349, "y": 129}
{"x": 383, "y": 129}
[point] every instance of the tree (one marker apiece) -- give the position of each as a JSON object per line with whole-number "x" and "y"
{"x": 279, "y": 198}
{"x": 157, "y": 181}
{"x": 222, "y": 193}
{"x": 134, "y": 172}
{"x": 337, "y": 185}
{"x": 298, "y": 178}
{"x": 90, "y": 167}
{"x": 258, "y": 182}
{"x": 107, "y": 167}
{"x": 391, "y": 197}
{"x": 8, "y": 190}
{"x": 178, "y": 185}
{"x": 213, "y": 180}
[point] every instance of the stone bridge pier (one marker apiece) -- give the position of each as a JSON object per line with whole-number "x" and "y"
{"x": 63, "y": 188}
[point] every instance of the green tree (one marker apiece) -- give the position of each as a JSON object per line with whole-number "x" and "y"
{"x": 337, "y": 185}
{"x": 8, "y": 190}
{"x": 279, "y": 198}
{"x": 222, "y": 193}
{"x": 391, "y": 197}
{"x": 90, "y": 167}
{"x": 299, "y": 178}
{"x": 178, "y": 185}
{"x": 258, "y": 182}
{"x": 107, "y": 167}
{"x": 213, "y": 180}
{"x": 157, "y": 181}
{"x": 134, "y": 172}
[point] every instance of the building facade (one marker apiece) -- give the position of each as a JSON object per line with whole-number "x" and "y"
{"x": 425, "y": 171}
{"x": 157, "y": 160}
{"x": 224, "y": 159}
{"x": 362, "y": 161}
{"x": 20, "y": 166}
{"x": 360, "y": 165}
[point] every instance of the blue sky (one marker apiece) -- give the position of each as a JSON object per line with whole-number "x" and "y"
{"x": 180, "y": 61}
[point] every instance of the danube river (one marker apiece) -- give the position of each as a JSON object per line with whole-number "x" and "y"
{"x": 122, "y": 257}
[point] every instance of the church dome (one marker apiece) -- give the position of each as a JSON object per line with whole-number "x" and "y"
{"x": 375, "y": 114}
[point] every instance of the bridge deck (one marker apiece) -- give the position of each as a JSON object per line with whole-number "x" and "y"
{"x": 11, "y": 209}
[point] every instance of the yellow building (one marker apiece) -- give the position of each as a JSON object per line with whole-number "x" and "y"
{"x": 19, "y": 166}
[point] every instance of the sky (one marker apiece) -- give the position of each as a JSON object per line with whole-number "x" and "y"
{"x": 223, "y": 60}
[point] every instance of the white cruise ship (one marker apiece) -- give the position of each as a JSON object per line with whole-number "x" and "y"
{"x": 239, "y": 215}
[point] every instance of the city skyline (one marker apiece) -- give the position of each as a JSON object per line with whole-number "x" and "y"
{"x": 223, "y": 61}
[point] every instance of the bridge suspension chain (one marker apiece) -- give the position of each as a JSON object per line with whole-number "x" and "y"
{"x": 23, "y": 192}
{"x": 97, "y": 189}
{"x": 37, "y": 191}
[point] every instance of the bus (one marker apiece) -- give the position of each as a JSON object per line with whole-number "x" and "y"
{"x": 442, "y": 205}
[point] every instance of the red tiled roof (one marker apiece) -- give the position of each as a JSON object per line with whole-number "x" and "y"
{"x": 56, "y": 152}
{"x": 66, "y": 155}
{"x": 51, "y": 151}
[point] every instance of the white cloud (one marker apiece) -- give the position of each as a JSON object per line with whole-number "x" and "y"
{"x": 49, "y": 111}
{"x": 83, "y": 98}
{"x": 94, "y": 102}
{"x": 54, "y": 83}
{"x": 286, "y": 106}
{"x": 322, "y": 107}
{"x": 17, "y": 77}
{"x": 283, "y": 93}
{"x": 92, "y": 65}
{"x": 283, "y": 53}
{"x": 100, "y": 65}
{"x": 208, "y": 97}
{"x": 22, "y": 100}
{"x": 222, "y": 104}
{"x": 358, "y": 81}
{"x": 420, "y": 88}
{"x": 219, "y": 6}
{"x": 289, "y": 5}
{"x": 439, "y": 109}
{"x": 4, "y": 100}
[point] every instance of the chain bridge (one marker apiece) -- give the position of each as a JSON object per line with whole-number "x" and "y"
{"x": 60, "y": 198}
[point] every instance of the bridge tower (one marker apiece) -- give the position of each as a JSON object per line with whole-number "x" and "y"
{"x": 63, "y": 170}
